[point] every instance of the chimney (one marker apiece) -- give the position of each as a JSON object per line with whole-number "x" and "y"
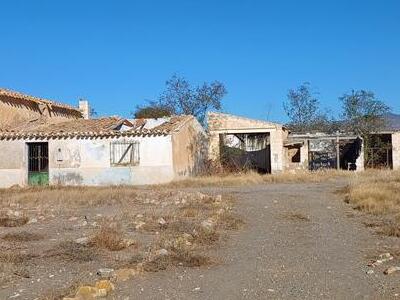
{"x": 84, "y": 108}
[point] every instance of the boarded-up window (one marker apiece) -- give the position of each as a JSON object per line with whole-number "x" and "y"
{"x": 124, "y": 153}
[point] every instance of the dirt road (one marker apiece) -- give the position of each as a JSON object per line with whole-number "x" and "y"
{"x": 299, "y": 241}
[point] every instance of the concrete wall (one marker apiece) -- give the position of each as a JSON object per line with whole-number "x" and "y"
{"x": 189, "y": 149}
{"x": 396, "y": 150}
{"x": 219, "y": 123}
{"x": 87, "y": 162}
{"x": 303, "y": 164}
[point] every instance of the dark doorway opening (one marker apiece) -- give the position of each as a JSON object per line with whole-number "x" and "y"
{"x": 379, "y": 151}
{"x": 246, "y": 151}
{"x": 38, "y": 164}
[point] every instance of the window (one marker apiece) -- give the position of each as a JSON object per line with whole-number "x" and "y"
{"x": 124, "y": 153}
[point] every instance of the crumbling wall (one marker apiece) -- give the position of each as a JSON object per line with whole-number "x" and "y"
{"x": 87, "y": 162}
{"x": 12, "y": 163}
{"x": 189, "y": 149}
{"x": 396, "y": 150}
{"x": 219, "y": 123}
{"x": 74, "y": 161}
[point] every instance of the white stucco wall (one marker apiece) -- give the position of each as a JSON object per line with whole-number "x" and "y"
{"x": 396, "y": 150}
{"x": 277, "y": 151}
{"x": 87, "y": 162}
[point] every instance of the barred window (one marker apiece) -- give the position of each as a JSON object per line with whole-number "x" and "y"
{"x": 124, "y": 153}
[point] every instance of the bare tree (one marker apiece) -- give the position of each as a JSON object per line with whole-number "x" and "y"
{"x": 302, "y": 108}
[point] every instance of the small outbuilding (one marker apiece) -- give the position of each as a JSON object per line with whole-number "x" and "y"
{"x": 105, "y": 151}
{"x": 248, "y": 143}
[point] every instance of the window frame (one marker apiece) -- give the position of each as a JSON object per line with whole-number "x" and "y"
{"x": 134, "y": 153}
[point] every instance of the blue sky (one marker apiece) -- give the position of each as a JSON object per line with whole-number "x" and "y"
{"x": 117, "y": 54}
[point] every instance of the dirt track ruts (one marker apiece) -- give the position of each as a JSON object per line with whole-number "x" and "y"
{"x": 280, "y": 255}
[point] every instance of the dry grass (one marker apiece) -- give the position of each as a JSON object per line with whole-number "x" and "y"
{"x": 9, "y": 221}
{"x": 22, "y": 236}
{"x": 14, "y": 257}
{"x": 249, "y": 178}
{"x": 71, "y": 251}
{"x": 159, "y": 218}
{"x": 176, "y": 258}
{"x": 377, "y": 193}
{"x": 296, "y": 216}
{"x": 108, "y": 238}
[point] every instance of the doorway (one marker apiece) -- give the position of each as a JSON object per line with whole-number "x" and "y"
{"x": 38, "y": 163}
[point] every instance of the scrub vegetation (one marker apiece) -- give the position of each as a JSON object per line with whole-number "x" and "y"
{"x": 55, "y": 237}
{"x": 377, "y": 193}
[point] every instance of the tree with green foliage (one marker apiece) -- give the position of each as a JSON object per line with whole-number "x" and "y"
{"x": 180, "y": 97}
{"x": 363, "y": 113}
{"x": 151, "y": 111}
{"x": 302, "y": 108}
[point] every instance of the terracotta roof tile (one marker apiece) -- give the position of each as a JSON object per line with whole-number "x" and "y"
{"x": 109, "y": 126}
{"x": 18, "y": 95}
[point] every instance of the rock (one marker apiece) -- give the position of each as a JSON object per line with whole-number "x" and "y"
{"x": 207, "y": 224}
{"x": 33, "y": 220}
{"x": 369, "y": 272}
{"x": 73, "y": 219}
{"x": 139, "y": 216}
{"x": 162, "y": 252}
{"x": 128, "y": 242}
{"x": 218, "y": 198}
{"x": 14, "y": 213}
{"x": 391, "y": 270}
{"x": 162, "y": 222}
{"x": 139, "y": 225}
{"x": 384, "y": 257}
{"x": 83, "y": 240}
{"x": 105, "y": 273}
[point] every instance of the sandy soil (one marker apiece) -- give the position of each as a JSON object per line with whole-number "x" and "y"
{"x": 299, "y": 241}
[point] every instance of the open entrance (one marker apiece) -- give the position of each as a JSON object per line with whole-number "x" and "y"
{"x": 246, "y": 151}
{"x": 334, "y": 153}
{"x": 379, "y": 151}
{"x": 38, "y": 163}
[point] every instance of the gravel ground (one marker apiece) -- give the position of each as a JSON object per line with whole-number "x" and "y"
{"x": 299, "y": 241}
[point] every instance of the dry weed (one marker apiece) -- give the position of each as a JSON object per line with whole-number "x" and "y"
{"x": 249, "y": 178}
{"x": 9, "y": 221}
{"x": 22, "y": 236}
{"x": 296, "y": 216}
{"x": 71, "y": 251}
{"x": 108, "y": 238}
{"x": 377, "y": 192}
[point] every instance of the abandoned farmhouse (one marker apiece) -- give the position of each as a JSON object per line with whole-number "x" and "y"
{"x": 51, "y": 143}
{"x": 46, "y": 142}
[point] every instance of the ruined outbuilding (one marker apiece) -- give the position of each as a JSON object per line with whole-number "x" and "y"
{"x": 247, "y": 143}
{"x": 314, "y": 151}
{"x": 57, "y": 146}
{"x": 269, "y": 147}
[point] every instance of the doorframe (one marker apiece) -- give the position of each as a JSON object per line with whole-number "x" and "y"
{"x": 27, "y": 160}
